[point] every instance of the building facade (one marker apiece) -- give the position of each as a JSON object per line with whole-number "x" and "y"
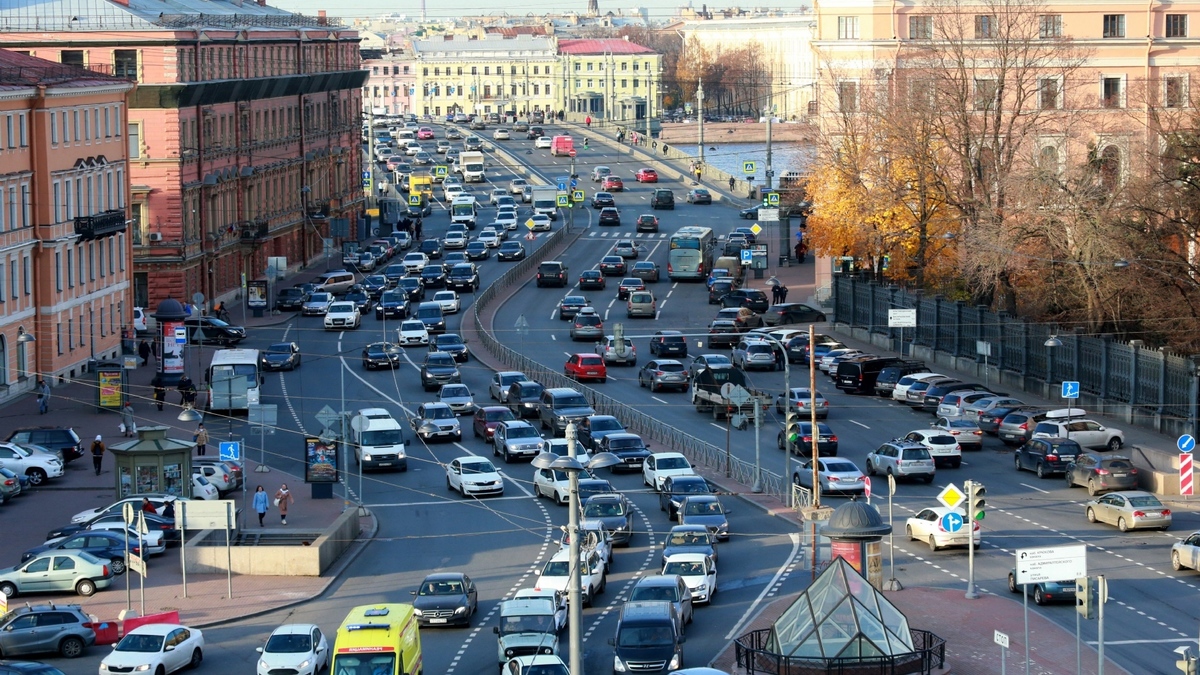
{"x": 243, "y": 132}
{"x": 391, "y": 86}
{"x": 610, "y": 79}
{"x": 65, "y": 252}
{"x": 485, "y": 74}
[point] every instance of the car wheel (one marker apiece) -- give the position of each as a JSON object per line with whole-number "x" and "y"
{"x": 1121, "y": 525}
{"x": 71, "y": 647}
{"x": 197, "y": 659}
{"x": 85, "y": 587}
{"x": 1091, "y": 515}
{"x": 908, "y": 531}
{"x": 1067, "y": 478}
{"x": 1092, "y": 489}
{"x": 932, "y": 543}
{"x": 8, "y": 589}
{"x": 507, "y": 459}
{"x": 870, "y": 468}
{"x": 1041, "y": 471}
{"x": 1038, "y": 596}
{"x": 1176, "y": 564}
{"x": 1114, "y": 444}
{"x": 603, "y": 584}
{"x": 1012, "y": 584}
{"x": 475, "y": 430}
{"x": 118, "y": 566}
{"x": 1017, "y": 462}
{"x": 449, "y": 485}
{"x": 36, "y": 476}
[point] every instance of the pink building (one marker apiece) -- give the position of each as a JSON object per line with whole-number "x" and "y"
{"x": 65, "y": 255}
{"x": 243, "y": 132}
{"x": 391, "y": 83}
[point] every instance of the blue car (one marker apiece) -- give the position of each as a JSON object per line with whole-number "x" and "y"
{"x": 1046, "y": 592}
{"x": 108, "y": 546}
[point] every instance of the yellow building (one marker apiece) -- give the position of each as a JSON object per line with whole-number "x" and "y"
{"x": 610, "y": 79}
{"x": 493, "y": 73}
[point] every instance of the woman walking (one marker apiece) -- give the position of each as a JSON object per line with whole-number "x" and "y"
{"x": 201, "y": 439}
{"x": 260, "y": 503}
{"x": 128, "y": 424}
{"x": 98, "y": 453}
{"x": 282, "y": 499}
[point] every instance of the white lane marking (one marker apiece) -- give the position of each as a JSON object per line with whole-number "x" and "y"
{"x": 737, "y": 628}
{"x": 660, "y": 400}
{"x": 439, "y": 503}
{"x": 1144, "y": 642}
{"x": 717, "y": 426}
{"x": 1045, "y": 492}
{"x": 553, "y": 338}
{"x": 860, "y": 424}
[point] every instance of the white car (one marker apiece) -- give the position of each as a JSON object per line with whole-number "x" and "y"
{"x": 659, "y": 465}
{"x": 38, "y": 466}
{"x": 158, "y": 500}
{"x": 341, "y": 315}
{"x": 448, "y": 300}
{"x": 536, "y": 664}
{"x": 411, "y": 148}
{"x": 456, "y": 240}
{"x": 699, "y": 572}
{"x": 498, "y": 231}
{"x": 559, "y": 598}
{"x": 553, "y": 484}
{"x": 905, "y": 383}
{"x": 1070, "y": 424}
{"x": 501, "y": 134}
{"x": 202, "y": 489}
{"x": 299, "y": 648}
{"x": 452, "y": 191}
{"x": 517, "y": 186}
{"x": 412, "y": 332}
{"x": 541, "y": 222}
{"x": 595, "y": 538}
{"x": 505, "y": 220}
{"x": 929, "y": 526}
{"x": 556, "y": 573}
{"x": 943, "y": 447}
{"x": 157, "y": 649}
{"x": 489, "y": 239}
{"x": 473, "y": 476}
{"x": 495, "y": 194}
{"x": 1186, "y": 553}
{"x": 215, "y": 475}
{"x": 415, "y": 262}
{"x": 542, "y": 142}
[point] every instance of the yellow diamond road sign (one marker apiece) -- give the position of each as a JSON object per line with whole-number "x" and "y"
{"x": 951, "y": 496}
{"x": 756, "y": 228}
{"x": 529, "y": 223}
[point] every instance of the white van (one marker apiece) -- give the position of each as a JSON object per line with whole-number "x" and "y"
{"x": 335, "y": 282}
{"x": 378, "y": 440}
{"x": 462, "y": 210}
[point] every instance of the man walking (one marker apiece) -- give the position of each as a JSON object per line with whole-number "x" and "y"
{"x": 43, "y": 396}
{"x": 775, "y": 294}
{"x": 160, "y": 393}
{"x": 783, "y": 290}
{"x": 97, "y": 453}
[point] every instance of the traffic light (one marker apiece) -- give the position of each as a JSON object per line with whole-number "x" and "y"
{"x": 1083, "y": 597}
{"x": 975, "y": 500}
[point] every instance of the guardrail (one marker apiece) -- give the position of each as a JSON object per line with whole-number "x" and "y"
{"x": 697, "y": 451}
{"x": 801, "y": 497}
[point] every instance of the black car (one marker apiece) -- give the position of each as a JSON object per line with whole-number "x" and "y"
{"x": 570, "y": 305}
{"x": 752, "y": 298}
{"x": 446, "y": 597}
{"x": 723, "y": 333}
{"x": 361, "y": 299}
{"x": 463, "y": 277}
{"x": 477, "y": 250}
{"x": 412, "y": 287}
{"x": 592, "y": 280}
{"x": 103, "y": 544}
{"x": 589, "y": 487}
{"x": 290, "y": 299}
{"x": 433, "y": 276}
{"x": 669, "y": 343}
{"x": 376, "y": 284}
{"x": 1046, "y": 456}
{"x": 209, "y": 330}
{"x": 381, "y": 355}
{"x": 394, "y": 273}
{"x": 609, "y": 216}
{"x": 630, "y": 448}
{"x": 603, "y": 199}
{"x": 511, "y": 250}
{"x": 392, "y": 304}
{"x": 718, "y": 290}
{"x": 792, "y": 312}
{"x": 534, "y": 133}
{"x": 431, "y": 248}
{"x": 552, "y": 273}
{"x": 452, "y": 344}
{"x": 281, "y": 356}
{"x": 798, "y": 438}
{"x": 439, "y": 368}
{"x": 989, "y": 421}
{"x": 54, "y": 439}
{"x": 675, "y": 488}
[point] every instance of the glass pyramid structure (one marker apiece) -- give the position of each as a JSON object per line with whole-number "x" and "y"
{"x": 841, "y": 615}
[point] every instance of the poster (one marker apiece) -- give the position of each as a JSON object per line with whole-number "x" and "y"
{"x": 850, "y": 551}
{"x": 320, "y": 461}
{"x": 256, "y": 294}
{"x": 110, "y": 389}
{"x": 875, "y": 563}
{"x": 171, "y": 362}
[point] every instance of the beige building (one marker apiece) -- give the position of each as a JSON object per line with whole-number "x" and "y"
{"x": 492, "y": 73}
{"x": 610, "y": 79}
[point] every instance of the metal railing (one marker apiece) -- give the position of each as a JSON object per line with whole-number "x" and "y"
{"x": 752, "y": 655}
{"x": 801, "y": 497}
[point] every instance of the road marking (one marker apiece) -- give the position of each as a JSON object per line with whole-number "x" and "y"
{"x": 553, "y": 338}
{"x": 737, "y": 628}
{"x": 1045, "y": 492}
{"x": 660, "y": 400}
{"x": 440, "y": 503}
{"x": 1144, "y": 642}
{"x": 717, "y": 426}
{"x": 860, "y": 424}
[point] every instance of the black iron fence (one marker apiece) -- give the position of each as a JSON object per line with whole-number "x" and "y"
{"x": 1157, "y": 388}
{"x": 752, "y": 655}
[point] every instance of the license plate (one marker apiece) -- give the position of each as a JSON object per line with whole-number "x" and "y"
{"x": 437, "y": 621}
{"x": 385, "y": 464}
{"x": 1119, "y": 475}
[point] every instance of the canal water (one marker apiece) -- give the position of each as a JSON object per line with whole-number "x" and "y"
{"x": 729, "y": 157}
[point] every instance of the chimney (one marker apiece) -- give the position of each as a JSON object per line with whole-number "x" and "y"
{"x": 322, "y": 19}
{"x": 262, "y": 3}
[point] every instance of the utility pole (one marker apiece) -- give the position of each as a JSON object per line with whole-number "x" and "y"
{"x": 700, "y": 114}
{"x": 571, "y": 206}
{"x": 371, "y": 149}
{"x": 770, "y": 171}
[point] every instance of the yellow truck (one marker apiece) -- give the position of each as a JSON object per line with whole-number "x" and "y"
{"x": 421, "y": 185}
{"x": 378, "y": 640}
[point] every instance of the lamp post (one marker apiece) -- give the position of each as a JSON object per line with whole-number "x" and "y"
{"x": 787, "y": 452}
{"x": 573, "y": 467}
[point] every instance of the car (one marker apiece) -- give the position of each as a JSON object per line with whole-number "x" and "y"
{"x": 697, "y": 570}
{"x": 689, "y": 539}
{"x": 442, "y": 147}
{"x": 501, "y": 134}
{"x": 522, "y": 398}
{"x": 1186, "y": 553}
{"x": 501, "y": 381}
{"x": 454, "y": 240}
{"x": 708, "y": 361}
{"x": 599, "y": 173}
{"x": 299, "y": 648}
{"x": 439, "y": 368}
{"x": 290, "y": 299}
{"x": 38, "y": 467}
{"x": 592, "y": 280}
{"x": 458, "y": 397}
{"x": 453, "y": 344}
{"x": 671, "y": 588}
{"x": 801, "y": 400}
{"x": 612, "y": 265}
{"x": 517, "y": 439}
{"x": 431, "y": 314}
{"x": 496, "y": 193}
{"x": 723, "y": 333}
{"x": 393, "y": 304}
{"x": 541, "y": 222}
{"x": 478, "y": 250}
{"x": 570, "y": 306}
{"x": 590, "y": 430}
{"x": 552, "y": 273}
{"x": 381, "y": 355}
{"x": 965, "y": 431}
{"x": 433, "y": 275}
{"x": 11, "y": 485}
{"x": 535, "y": 664}
{"x": 1129, "y": 510}
{"x": 487, "y": 418}
{"x": 589, "y": 487}
{"x": 54, "y": 628}
{"x": 641, "y": 303}
{"x": 510, "y": 250}
{"x": 542, "y": 142}
{"x": 981, "y": 406}
{"x": 835, "y": 475}
{"x": 798, "y": 438}
{"x": 699, "y": 196}
{"x": 902, "y": 459}
{"x": 316, "y": 304}
{"x": 1101, "y": 473}
{"x": 489, "y": 239}
{"x": 660, "y": 465}
{"x": 431, "y": 248}
{"x": 473, "y": 476}
{"x": 989, "y": 421}
{"x": 517, "y": 186}
{"x": 613, "y": 352}
{"x": 646, "y": 175}
{"x": 930, "y": 526}
{"x": 108, "y": 546}
{"x": 159, "y": 648}
{"x": 554, "y": 484}
{"x": 629, "y": 448}
{"x": 585, "y": 366}
{"x": 209, "y": 330}
{"x": 943, "y": 447}
{"x": 646, "y": 223}
{"x": 586, "y": 325}
{"x": 448, "y": 300}
{"x": 1087, "y": 433}
{"x": 660, "y": 374}
{"x": 422, "y": 158}
{"x": 612, "y": 184}
{"x": 445, "y": 598}
{"x": 609, "y": 216}
{"x": 436, "y": 421}
{"x": 556, "y": 574}
{"x": 629, "y": 285}
{"x": 645, "y": 270}
{"x": 614, "y": 513}
{"x": 424, "y": 134}
{"x": 412, "y": 332}
{"x": 342, "y": 315}
{"x": 1048, "y": 456}
{"x": 57, "y": 571}
{"x": 1017, "y": 426}
{"x": 792, "y": 313}
{"x": 415, "y": 262}
{"x": 705, "y": 510}
{"x": 750, "y": 354}
{"x": 955, "y": 403}
{"x": 1044, "y": 592}
{"x": 751, "y": 298}
{"x": 626, "y": 249}
{"x": 505, "y": 220}
{"x": 158, "y": 500}
{"x": 826, "y": 363}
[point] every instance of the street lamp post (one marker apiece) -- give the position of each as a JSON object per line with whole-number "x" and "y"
{"x": 573, "y": 467}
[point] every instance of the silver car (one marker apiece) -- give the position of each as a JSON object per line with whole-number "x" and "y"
{"x": 498, "y": 387}
{"x": 663, "y": 374}
{"x": 751, "y": 354}
{"x": 317, "y": 304}
{"x": 458, "y": 397}
{"x": 836, "y": 475}
{"x": 902, "y": 459}
{"x": 517, "y": 439}
{"x": 1129, "y": 511}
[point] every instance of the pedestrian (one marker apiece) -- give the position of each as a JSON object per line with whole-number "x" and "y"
{"x": 168, "y": 509}
{"x": 187, "y": 391}
{"x": 417, "y": 229}
{"x": 783, "y": 293}
{"x": 775, "y": 294}
{"x": 698, "y": 172}
{"x": 43, "y": 396}
{"x": 588, "y": 121}
{"x": 160, "y": 393}
{"x": 800, "y": 251}
{"x": 201, "y": 439}
{"x": 731, "y": 182}
{"x": 147, "y": 506}
{"x": 128, "y": 424}
{"x": 260, "y": 503}
{"x": 98, "y": 453}
{"x": 282, "y": 499}
{"x": 621, "y": 136}
{"x": 144, "y": 352}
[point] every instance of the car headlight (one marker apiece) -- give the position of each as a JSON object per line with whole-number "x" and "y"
{"x": 305, "y": 663}
{"x": 675, "y": 661}
{"x": 418, "y": 612}
{"x": 618, "y": 666}
{"x": 460, "y": 610}
{"x": 143, "y": 667}
{"x": 366, "y": 457}
{"x": 262, "y": 664}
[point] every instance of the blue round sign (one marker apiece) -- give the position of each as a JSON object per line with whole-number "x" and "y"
{"x": 952, "y": 522}
{"x": 1186, "y": 443}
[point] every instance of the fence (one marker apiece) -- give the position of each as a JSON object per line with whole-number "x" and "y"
{"x": 699, "y": 452}
{"x": 1150, "y": 387}
{"x": 752, "y": 655}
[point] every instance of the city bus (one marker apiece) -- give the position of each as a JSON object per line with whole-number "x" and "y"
{"x": 690, "y": 253}
{"x": 233, "y": 379}
{"x": 378, "y": 640}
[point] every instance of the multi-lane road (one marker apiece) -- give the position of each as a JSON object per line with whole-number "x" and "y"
{"x": 502, "y": 542}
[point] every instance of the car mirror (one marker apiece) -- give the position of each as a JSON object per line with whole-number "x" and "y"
{"x": 412, "y": 592}
{"x": 258, "y": 649}
{"x": 169, "y": 648}
{"x": 496, "y": 630}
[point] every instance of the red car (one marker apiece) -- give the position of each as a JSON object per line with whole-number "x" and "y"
{"x": 488, "y": 418}
{"x": 424, "y": 134}
{"x": 613, "y": 184}
{"x": 586, "y": 367}
{"x": 646, "y": 176}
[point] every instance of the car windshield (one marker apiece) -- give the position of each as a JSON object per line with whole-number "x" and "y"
{"x": 574, "y": 300}
{"x": 606, "y": 425}
{"x": 530, "y": 390}
{"x": 528, "y": 623}
{"x": 556, "y": 568}
{"x": 382, "y": 437}
{"x": 478, "y": 467}
{"x": 1065, "y": 448}
{"x": 717, "y": 361}
{"x": 574, "y": 400}
{"x": 962, "y": 424}
{"x": 429, "y": 313}
{"x": 320, "y": 297}
{"x": 702, "y": 508}
{"x": 448, "y": 587}
{"x": 342, "y": 307}
{"x": 673, "y": 463}
{"x": 684, "y": 569}
{"x": 415, "y": 326}
{"x": 646, "y": 636}
{"x": 140, "y": 643}
{"x": 671, "y": 367}
{"x": 668, "y": 593}
{"x": 625, "y": 444}
{"x": 448, "y": 340}
{"x": 299, "y": 643}
{"x": 522, "y": 432}
{"x": 439, "y": 412}
{"x": 1145, "y": 501}
{"x": 603, "y": 510}
{"x": 439, "y": 359}
{"x": 455, "y": 390}
{"x": 498, "y": 415}
{"x": 688, "y": 539}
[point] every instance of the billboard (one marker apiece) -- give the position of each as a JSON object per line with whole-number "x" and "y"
{"x": 320, "y": 461}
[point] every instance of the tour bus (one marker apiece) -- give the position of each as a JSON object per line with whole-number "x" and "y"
{"x": 234, "y": 378}
{"x": 690, "y": 253}
{"x": 378, "y": 640}
{"x": 562, "y": 146}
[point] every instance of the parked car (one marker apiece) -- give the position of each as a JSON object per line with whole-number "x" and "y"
{"x": 57, "y": 571}
{"x": 45, "y": 629}
{"x": 1048, "y": 456}
{"x": 156, "y": 648}
{"x": 1101, "y": 473}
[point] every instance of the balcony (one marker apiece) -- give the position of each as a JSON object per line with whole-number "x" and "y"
{"x": 100, "y": 225}
{"x": 253, "y": 231}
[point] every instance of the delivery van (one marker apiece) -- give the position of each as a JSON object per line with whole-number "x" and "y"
{"x": 380, "y": 640}
{"x": 378, "y": 440}
{"x": 561, "y": 146}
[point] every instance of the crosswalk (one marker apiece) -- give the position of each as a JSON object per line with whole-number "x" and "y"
{"x": 617, "y": 234}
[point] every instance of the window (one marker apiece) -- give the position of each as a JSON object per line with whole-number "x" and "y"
{"x": 125, "y": 63}
{"x": 848, "y": 96}
{"x": 920, "y": 28}
{"x": 1108, "y": 168}
{"x": 1114, "y": 25}
{"x": 12, "y": 137}
{"x": 26, "y": 276}
{"x": 535, "y": 70}
{"x": 24, "y": 130}
{"x": 70, "y": 268}
{"x": 474, "y": 70}
{"x": 58, "y": 271}
{"x": 135, "y": 147}
{"x": 1175, "y": 91}
{"x": 71, "y": 57}
{"x": 53, "y": 127}
{"x": 985, "y": 26}
{"x": 1111, "y": 92}
{"x": 1176, "y": 25}
{"x": 1050, "y": 26}
{"x": 92, "y": 260}
{"x": 985, "y": 94}
{"x": 1048, "y": 93}
{"x": 847, "y": 27}
{"x": 12, "y": 208}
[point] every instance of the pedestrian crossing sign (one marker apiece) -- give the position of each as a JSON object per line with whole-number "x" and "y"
{"x": 577, "y": 197}
{"x": 773, "y": 199}
{"x": 440, "y": 170}
{"x": 414, "y": 200}
{"x": 749, "y": 168}
{"x": 564, "y": 201}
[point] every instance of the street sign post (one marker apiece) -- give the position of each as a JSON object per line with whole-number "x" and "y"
{"x": 1070, "y": 389}
{"x": 867, "y": 488}
{"x": 230, "y": 451}
{"x": 181, "y": 335}
{"x": 902, "y": 318}
{"x": 747, "y": 256}
{"x": 951, "y": 496}
{"x": 951, "y": 522}
{"x": 1053, "y": 563}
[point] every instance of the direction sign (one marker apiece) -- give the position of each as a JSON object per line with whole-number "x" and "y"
{"x": 181, "y": 335}
{"x": 902, "y": 318}
{"x": 1001, "y": 639}
{"x": 756, "y": 229}
{"x": 768, "y": 215}
{"x": 747, "y": 256}
{"x": 230, "y": 451}
{"x": 1070, "y": 390}
{"x": 577, "y": 196}
{"x": 1186, "y": 443}
{"x": 1054, "y": 563}
{"x": 951, "y": 496}
{"x": 749, "y": 168}
{"x": 951, "y": 522}
{"x": 564, "y": 201}
{"x": 327, "y": 416}
{"x": 574, "y": 182}
{"x": 562, "y": 185}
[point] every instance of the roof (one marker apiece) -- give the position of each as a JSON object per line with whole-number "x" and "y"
{"x": 603, "y": 46}
{"x": 97, "y": 15}
{"x": 21, "y": 70}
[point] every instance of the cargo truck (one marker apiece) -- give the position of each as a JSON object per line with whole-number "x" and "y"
{"x": 545, "y": 200}
{"x": 470, "y": 165}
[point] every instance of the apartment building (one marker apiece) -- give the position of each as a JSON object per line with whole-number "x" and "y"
{"x": 65, "y": 253}
{"x": 610, "y": 79}
{"x": 243, "y": 131}
{"x": 391, "y": 87}
{"x": 485, "y": 74}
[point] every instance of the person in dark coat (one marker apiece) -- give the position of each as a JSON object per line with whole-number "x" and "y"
{"x": 144, "y": 352}
{"x": 160, "y": 393}
{"x": 783, "y": 290}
